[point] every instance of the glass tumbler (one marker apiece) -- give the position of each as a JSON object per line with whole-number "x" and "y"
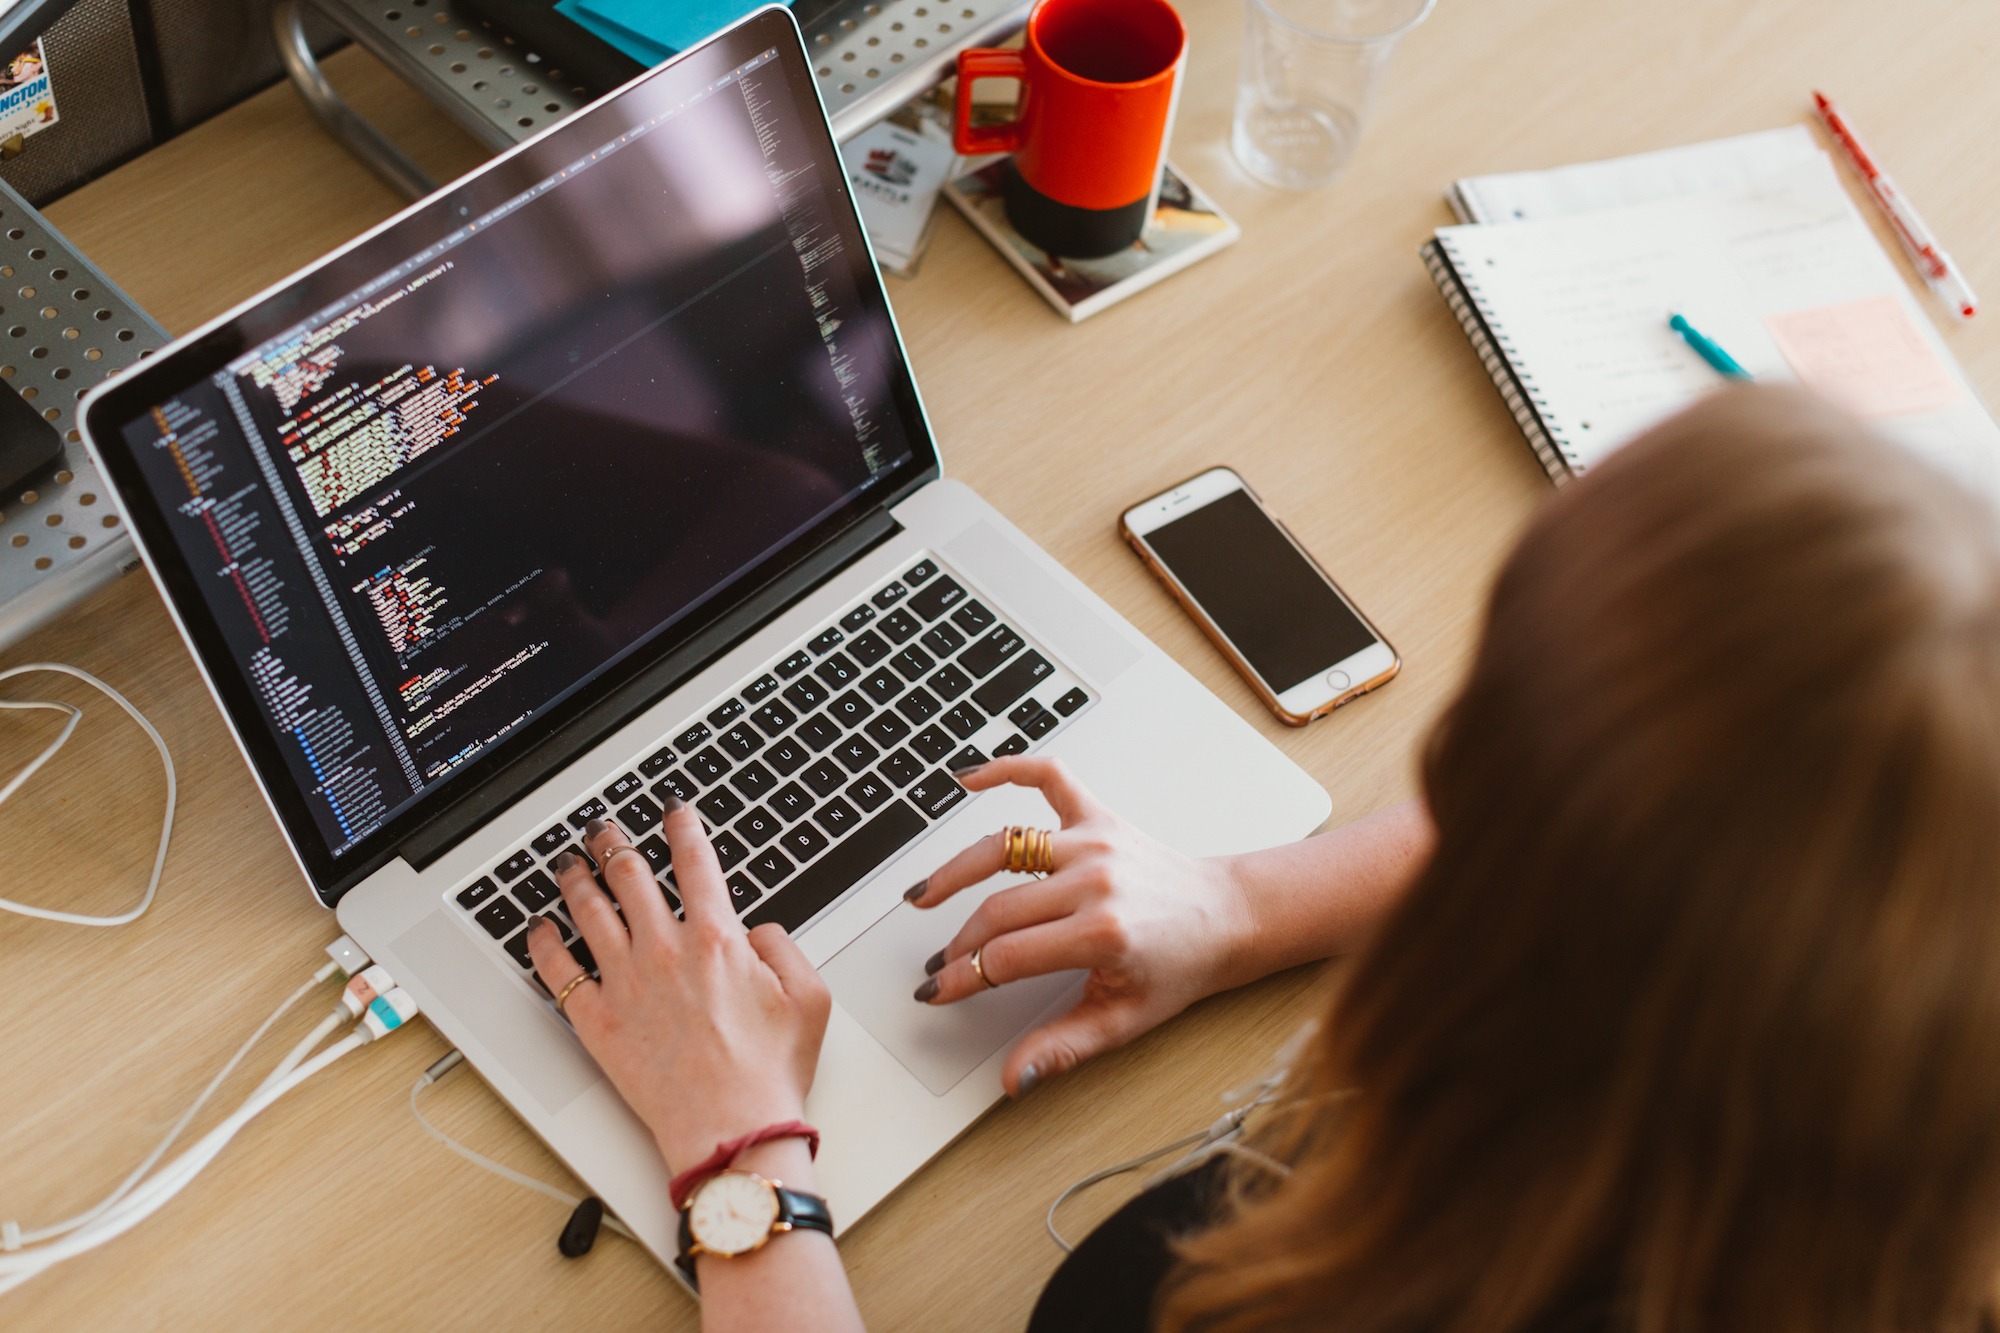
{"x": 1310, "y": 71}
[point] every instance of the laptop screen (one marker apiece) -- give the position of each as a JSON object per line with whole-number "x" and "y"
{"x": 577, "y": 409}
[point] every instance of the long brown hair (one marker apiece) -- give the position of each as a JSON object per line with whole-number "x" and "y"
{"x": 1692, "y": 1021}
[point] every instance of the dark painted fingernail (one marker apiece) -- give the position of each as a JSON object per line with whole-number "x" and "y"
{"x": 935, "y": 962}
{"x": 594, "y": 827}
{"x": 928, "y": 991}
{"x": 538, "y": 923}
{"x": 1030, "y": 1076}
{"x": 671, "y": 804}
{"x": 565, "y": 861}
{"x": 967, "y": 771}
{"x": 916, "y": 891}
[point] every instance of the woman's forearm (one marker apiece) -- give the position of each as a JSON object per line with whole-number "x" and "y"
{"x": 1323, "y": 896}
{"x": 795, "y": 1281}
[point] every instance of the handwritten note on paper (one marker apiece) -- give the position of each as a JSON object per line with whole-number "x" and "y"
{"x": 1867, "y": 356}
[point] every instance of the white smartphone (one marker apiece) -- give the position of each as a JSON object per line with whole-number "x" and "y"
{"x": 1252, "y": 588}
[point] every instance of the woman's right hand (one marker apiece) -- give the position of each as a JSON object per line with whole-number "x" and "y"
{"x": 1156, "y": 930}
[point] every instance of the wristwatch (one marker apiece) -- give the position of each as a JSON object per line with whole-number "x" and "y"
{"x": 735, "y": 1212}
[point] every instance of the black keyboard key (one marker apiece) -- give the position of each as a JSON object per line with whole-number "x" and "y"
{"x": 1021, "y": 712}
{"x": 477, "y": 892}
{"x": 771, "y": 867}
{"x": 741, "y": 740}
{"x": 773, "y": 718}
{"x": 1041, "y": 725}
{"x": 1021, "y": 675}
{"x": 999, "y": 644}
{"x": 850, "y": 709}
{"x": 933, "y": 744}
{"x": 791, "y": 801}
{"x": 869, "y": 649}
{"x": 729, "y": 849}
{"x": 654, "y": 849}
{"x": 899, "y": 626}
{"x": 692, "y": 737}
{"x": 886, "y": 729}
{"x": 673, "y": 899}
{"x": 963, "y": 720}
{"x": 794, "y": 664}
{"x": 584, "y": 959}
{"x": 536, "y": 891}
{"x": 855, "y": 753}
{"x": 824, "y": 777}
{"x": 837, "y": 671}
{"x": 949, "y": 682}
{"x": 837, "y": 816}
{"x": 743, "y": 895}
{"x": 657, "y": 762}
{"x": 1012, "y": 745}
{"x": 858, "y": 617}
{"x": 972, "y": 617}
{"x": 823, "y": 644}
{"x": 803, "y": 841}
{"x": 969, "y": 757}
{"x": 919, "y": 707}
{"x": 942, "y": 639}
{"x": 753, "y": 780}
{"x": 817, "y": 733}
{"x": 920, "y": 571}
{"x": 518, "y": 946}
{"x": 846, "y": 865}
{"x": 901, "y": 768}
{"x": 807, "y": 694}
{"x": 547, "y": 842}
{"x": 675, "y": 784}
{"x": 500, "y": 917}
{"x": 936, "y": 794}
{"x": 912, "y": 662}
{"x": 1072, "y": 701}
{"x": 870, "y": 792}
{"x": 589, "y": 810}
{"x": 720, "y": 806}
{"x": 937, "y": 599}
{"x": 889, "y": 596}
{"x": 730, "y": 708}
{"x": 758, "y": 827}
{"x": 624, "y": 789}
{"x": 883, "y": 685}
{"x": 787, "y": 756}
{"x": 521, "y": 862}
{"x": 757, "y": 689}
{"x": 638, "y": 816}
{"x": 707, "y": 766}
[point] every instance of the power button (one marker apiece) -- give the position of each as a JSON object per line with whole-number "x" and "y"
{"x": 1337, "y": 681}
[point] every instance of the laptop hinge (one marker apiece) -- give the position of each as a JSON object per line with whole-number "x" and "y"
{"x": 472, "y": 811}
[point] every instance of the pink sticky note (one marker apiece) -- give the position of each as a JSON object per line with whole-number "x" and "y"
{"x": 1867, "y": 356}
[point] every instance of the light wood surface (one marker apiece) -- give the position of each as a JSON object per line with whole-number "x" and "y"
{"x": 1314, "y": 357}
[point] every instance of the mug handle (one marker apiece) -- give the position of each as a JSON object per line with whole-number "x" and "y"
{"x": 984, "y": 64}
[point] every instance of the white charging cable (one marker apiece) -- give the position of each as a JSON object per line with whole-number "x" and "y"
{"x": 34, "y": 765}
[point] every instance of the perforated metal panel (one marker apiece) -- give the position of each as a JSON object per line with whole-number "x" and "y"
{"x": 870, "y": 57}
{"x": 100, "y": 103}
{"x": 63, "y": 328}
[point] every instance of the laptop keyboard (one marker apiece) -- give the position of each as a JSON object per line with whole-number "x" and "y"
{"x": 818, "y": 769}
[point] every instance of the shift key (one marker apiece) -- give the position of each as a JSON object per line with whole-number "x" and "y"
{"x": 1022, "y": 674}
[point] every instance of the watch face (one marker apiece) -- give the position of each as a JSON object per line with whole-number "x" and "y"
{"x": 733, "y": 1212}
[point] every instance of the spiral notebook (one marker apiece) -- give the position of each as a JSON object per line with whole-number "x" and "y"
{"x": 1568, "y": 310}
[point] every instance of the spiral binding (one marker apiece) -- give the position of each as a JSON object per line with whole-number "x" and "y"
{"x": 1497, "y": 354}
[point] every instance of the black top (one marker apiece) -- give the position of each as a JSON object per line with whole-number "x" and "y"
{"x": 1109, "y": 1282}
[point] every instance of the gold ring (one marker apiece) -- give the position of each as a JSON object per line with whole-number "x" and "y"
{"x": 580, "y": 978}
{"x": 979, "y": 970}
{"x": 604, "y": 861}
{"x": 1030, "y": 851}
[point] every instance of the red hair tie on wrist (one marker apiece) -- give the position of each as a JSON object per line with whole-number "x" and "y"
{"x": 725, "y": 1155}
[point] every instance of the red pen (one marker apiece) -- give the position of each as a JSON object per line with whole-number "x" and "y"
{"x": 1932, "y": 260}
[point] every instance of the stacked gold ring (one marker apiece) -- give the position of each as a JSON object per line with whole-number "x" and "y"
{"x": 1030, "y": 851}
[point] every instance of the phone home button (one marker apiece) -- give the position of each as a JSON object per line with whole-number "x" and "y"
{"x": 1337, "y": 681}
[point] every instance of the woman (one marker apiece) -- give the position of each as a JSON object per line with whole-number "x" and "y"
{"x": 1686, "y": 1016}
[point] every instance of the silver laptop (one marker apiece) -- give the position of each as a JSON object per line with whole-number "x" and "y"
{"x": 601, "y": 475}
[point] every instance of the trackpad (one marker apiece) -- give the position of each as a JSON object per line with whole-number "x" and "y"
{"x": 873, "y": 978}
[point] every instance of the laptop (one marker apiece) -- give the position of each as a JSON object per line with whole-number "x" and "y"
{"x": 598, "y": 476}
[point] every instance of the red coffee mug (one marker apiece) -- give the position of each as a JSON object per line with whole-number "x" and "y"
{"x": 1098, "y": 83}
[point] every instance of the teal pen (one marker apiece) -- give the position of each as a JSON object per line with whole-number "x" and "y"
{"x": 1707, "y": 348}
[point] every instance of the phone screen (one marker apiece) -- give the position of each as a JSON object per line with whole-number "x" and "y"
{"x": 1279, "y": 611}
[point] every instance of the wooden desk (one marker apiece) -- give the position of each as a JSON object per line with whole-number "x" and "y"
{"x": 1314, "y": 356}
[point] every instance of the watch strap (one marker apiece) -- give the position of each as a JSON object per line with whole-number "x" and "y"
{"x": 797, "y": 1210}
